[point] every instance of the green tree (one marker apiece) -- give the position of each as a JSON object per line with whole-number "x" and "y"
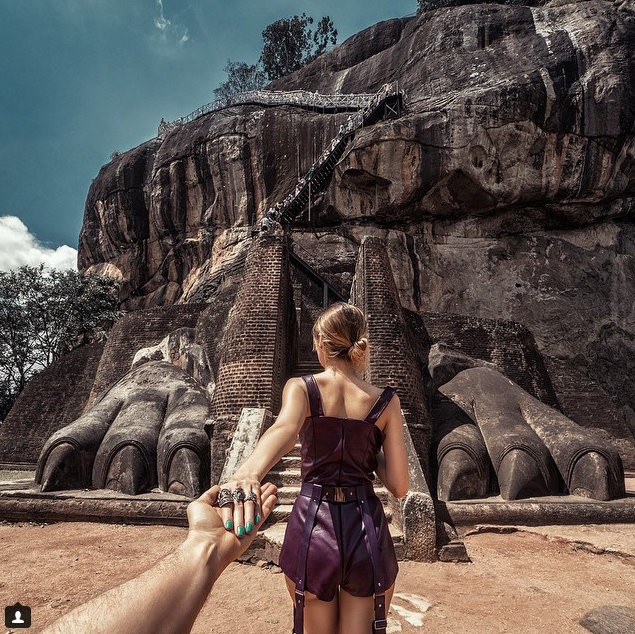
{"x": 290, "y": 44}
{"x": 241, "y": 77}
{"x": 44, "y": 314}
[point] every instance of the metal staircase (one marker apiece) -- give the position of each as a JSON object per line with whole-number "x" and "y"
{"x": 387, "y": 100}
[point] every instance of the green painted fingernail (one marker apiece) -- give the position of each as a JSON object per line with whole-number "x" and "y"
{"x": 229, "y": 524}
{"x": 249, "y": 527}
{"x": 241, "y": 531}
{"x": 257, "y": 518}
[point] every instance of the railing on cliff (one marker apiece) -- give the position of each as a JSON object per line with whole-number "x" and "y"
{"x": 366, "y": 107}
{"x": 319, "y": 174}
{"x": 300, "y": 98}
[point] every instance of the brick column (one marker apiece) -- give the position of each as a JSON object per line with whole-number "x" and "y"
{"x": 392, "y": 359}
{"x": 258, "y": 343}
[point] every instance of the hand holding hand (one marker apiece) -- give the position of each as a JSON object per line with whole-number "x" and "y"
{"x": 207, "y": 522}
{"x": 241, "y": 501}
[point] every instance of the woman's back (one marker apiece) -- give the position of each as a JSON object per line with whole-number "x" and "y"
{"x": 341, "y": 438}
{"x": 346, "y": 396}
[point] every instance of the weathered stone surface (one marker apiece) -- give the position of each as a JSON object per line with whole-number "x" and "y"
{"x": 610, "y": 619}
{"x": 505, "y": 190}
{"x": 523, "y": 435}
{"x": 147, "y": 431}
{"x": 180, "y": 349}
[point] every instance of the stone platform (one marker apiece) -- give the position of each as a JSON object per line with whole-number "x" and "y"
{"x": 21, "y": 501}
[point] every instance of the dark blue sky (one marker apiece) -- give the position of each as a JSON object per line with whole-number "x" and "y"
{"x": 82, "y": 78}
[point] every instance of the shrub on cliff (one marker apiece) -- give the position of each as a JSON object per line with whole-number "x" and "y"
{"x": 241, "y": 77}
{"x": 289, "y": 44}
{"x": 44, "y": 314}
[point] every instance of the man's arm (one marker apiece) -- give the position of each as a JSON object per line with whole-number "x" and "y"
{"x": 168, "y": 597}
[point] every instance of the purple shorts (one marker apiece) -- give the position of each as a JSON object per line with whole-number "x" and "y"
{"x": 338, "y": 553}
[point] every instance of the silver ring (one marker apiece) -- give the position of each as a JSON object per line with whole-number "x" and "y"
{"x": 238, "y": 494}
{"x": 225, "y": 498}
{"x": 251, "y": 497}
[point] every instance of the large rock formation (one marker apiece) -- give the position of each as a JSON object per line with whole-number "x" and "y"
{"x": 504, "y": 190}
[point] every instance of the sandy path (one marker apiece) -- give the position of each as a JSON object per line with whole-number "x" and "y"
{"x": 518, "y": 582}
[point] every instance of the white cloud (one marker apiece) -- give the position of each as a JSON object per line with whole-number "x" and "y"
{"x": 169, "y": 31}
{"x": 162, "y": 23}
{"x": 19, "y": 247}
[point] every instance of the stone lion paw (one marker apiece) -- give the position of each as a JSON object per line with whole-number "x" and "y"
{"x": 147, "y": 431}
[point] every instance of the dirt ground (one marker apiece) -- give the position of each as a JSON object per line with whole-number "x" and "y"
{"x": 532, "y": 580}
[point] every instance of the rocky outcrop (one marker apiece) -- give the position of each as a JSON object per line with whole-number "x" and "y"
{"x": 504, "y": 190}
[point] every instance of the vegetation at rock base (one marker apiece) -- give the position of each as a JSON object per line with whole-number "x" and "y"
{"x": 288, "y": 45}
{"x": 44, "y": 314}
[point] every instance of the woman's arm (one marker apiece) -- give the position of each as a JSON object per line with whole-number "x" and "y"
{"x": 392, "y": 461}
{"x": 280, "y": 438}
{"x": 276, "y": 442}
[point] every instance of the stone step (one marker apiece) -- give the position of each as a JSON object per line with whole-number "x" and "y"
{"x": 307, "y": 367}
{"x": 286, "y": 477}
{"x": 290, "y": 461}
{"x": 287, "y": 494}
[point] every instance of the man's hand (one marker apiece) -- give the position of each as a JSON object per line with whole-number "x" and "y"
{"x": 206, "y": 522}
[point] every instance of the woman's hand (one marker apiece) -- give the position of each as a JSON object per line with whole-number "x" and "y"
{"x": 206, "y": 521}
{"x": 245, "y": 510}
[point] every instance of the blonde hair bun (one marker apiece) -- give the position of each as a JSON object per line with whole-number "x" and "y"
{"x": 357, "y": 352}
{"x": 344, "y": 332}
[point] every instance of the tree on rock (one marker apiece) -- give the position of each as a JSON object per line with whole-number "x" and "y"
{"x": 290, "y": 43}
{"x": 44, "y": 314}
{"x": 241, "y": 77}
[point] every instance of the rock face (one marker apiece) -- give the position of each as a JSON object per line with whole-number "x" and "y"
{"x": 504, "y": 190}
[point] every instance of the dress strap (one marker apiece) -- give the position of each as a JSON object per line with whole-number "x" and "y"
{"x": 380, "y": 405}
{"x": 303, "y": 553}
{"x": 315, "y": 402}
{"x": 379, "y": 581}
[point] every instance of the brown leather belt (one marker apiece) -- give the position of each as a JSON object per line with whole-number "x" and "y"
{"x": 339, "y": 495}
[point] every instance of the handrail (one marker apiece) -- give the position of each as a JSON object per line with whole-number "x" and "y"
{"x": 276, "y": 213}
{"x": 320, "y": 276}
{"x": 303, "y": 98}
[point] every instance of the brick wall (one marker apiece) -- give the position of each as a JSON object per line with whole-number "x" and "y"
{"x": 134, "y": 331}
{"x": 51, "y": 399}
{"x": 508, "y": 344}
{"x": 589, "y": 405}
{"x": 393, "y": 361}
{"x": 258, "y": 346}
{"x": 212, "y": 324}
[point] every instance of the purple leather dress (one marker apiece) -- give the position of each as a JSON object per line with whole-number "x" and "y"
{"x": 339, "y": 452}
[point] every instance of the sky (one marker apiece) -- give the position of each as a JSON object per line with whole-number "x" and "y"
{"x": 81, "y": 79}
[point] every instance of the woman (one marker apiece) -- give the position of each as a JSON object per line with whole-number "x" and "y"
{"x": 337, "y": 554}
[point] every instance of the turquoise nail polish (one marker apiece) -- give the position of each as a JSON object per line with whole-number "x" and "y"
{"x": 257, "y": 518}
{"x": 249, "y": 527}
{"x": 229, "y": 524}
{"x": 241, "y": 531}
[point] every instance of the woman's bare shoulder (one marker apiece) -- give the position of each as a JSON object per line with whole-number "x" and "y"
{"x": 295, "y": 384}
